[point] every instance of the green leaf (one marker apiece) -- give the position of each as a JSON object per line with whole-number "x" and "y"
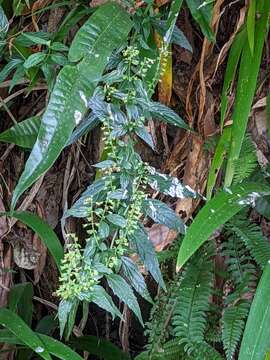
{"x": 12, "y": 64}
{"x": 215, "y": 213}
{"x": 132, "y": 273}
{"x": 20, "y": 329}
{"x": 202, "y": 13}
{"x": 145, "y": 136}
{"x": 263, "y": 206}
{"x": 145, "y": 249}
{"x": 74, "y": 85}
{"x": 23, "y": 134}
{"x": 251, "y": 17}
{"x": 117, "y": 220}
{"x": 44, "y": 231}
{"x": 160, "y": 213}
{"x": 217, "y": 161}
{"x": 35, "y": 39}
{"x": 246, "y": 87}
{"x": 4, "y": 25}
{"x": 256, "y": 339}
{"x": 104, "y": 301}
{"x": 106, "y": 29}
{"x": 171, "y": 21}
{"x": 164, "y": 113}
{"x": 99, "y": 347}
{"x": 20, "y": 300}
{"x": 233, "y": 60}
{"x": 34, "y": 59}
{"x": 64, "y": 310}
{"x": 125, "y": 293}
{"x": 58, "y": 46}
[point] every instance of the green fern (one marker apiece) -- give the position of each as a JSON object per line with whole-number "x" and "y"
{"x": 233, "y": 323}
{"x": 247, "y": 161}
{"x": 253, "y": 238}
{"x": 203, "y": 351}
{"x": 189, "y": 318}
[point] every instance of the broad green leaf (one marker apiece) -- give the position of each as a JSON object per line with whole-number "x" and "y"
{"x": 53, "y": 346}
{"x": 256, "y": 339}
{"x": 34, "y": 59}
{"x": 144, "y": 248}
{"x": 215, "y": 213}
{"x": 160, "y": 213}
{"x": 35, "y": 39}
{"x": 117, "y": 220}
{"x": 201, "y": 11}
{"x": 19, "y": 328}
{"x": 23, "y": 134}
{"x": 246, "y": 87}
{"x": 20, "y": 301}
{"x": 104, "y": 301}
{"x": 74, "y": 85}
{"x": 125, "y": 293}
{"x": 104, "y": 349}
{"x": 44, "y": 231}
{"x": 167, "y": 115}
{"x": 106, "y": 27}
{"x": 251, "y": 17}
{"x": 134, "y": 276}
{"x": 233, "y": 60}
{"x": 217, "y": 161}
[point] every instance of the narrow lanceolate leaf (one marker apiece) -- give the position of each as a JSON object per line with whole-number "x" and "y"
{"x": 74, "y": 86}
{"x": 19, "y": 328}
{"x": 171, "y": 21}
{"x": 20, "y": 301}
{"x": 166, "y": 115}
{"x": 23, "y": 134}
{"x": 256, "y": 339}
{"x": 217, "y": 161}
{"x": 44, "y": 231}
{"x": 246, "y": 87}
{"x": 104, "y": 301}
{"x": 233, "y": 60}
{"x": 125, "y": 293}
{"x": 215, "y": 213}
{"x": 251, "y": 17}
{"x": 4, "y": 25}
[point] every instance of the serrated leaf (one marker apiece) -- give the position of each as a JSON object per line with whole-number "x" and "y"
{"x": 83, "y": 128}
{"x": 145, "y": 136}
{"x": 215, "y": 213}
{"x": 145, "y": 249}
{"x": 81, "y": 206}
{"x": 64, "y": 309}
{"x": 164, "y": 113}
{"x": 20, "y": 329}
{"x": 256, "y": 339}
{"x": 104, "y": 301}
{"x": 44, "y": 231}
{"x": 103, "y": 230}
{"x": 23, "y": 134}
{"x": 74, "y": 85}
{"x": 132, "y": 273}
{"x": 117, "y": 220}
{"x": 34, "y": 59}
{"x": 160, "y": 213}
{"x": 124, "y": 292}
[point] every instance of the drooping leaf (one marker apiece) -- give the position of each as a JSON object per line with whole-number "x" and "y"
{"x": 4, "y": 25}
{"x": 125, "y": 293}
{"x": 251, "y": 18}
{"x": 145, "y": 136}
{"x": 117, "y": 220}
{"x": 215, "y": 213}
{"x": 99, "y": 347}
{"x": 160, "y": 213}
{"x": 246, "y": 87}
{"x": 23, "y": 134}
{"x": 34, "y": 59}
{"x": 144, "y": 248}
{"x": 11, "y": 65}
{"x": 44, "y": 231}
{"x": 256, "y": 339}
{"x": 64, "y": 310}
{"x": 104, "y": 301}
{"x": 132, "y": 273}
{"x": 83, "y": 128}
{"x": 74, "y": 85}
{"x": 19, "y": 328}
{"x": 166, "y": 114}
{"x": 171, "y": 21}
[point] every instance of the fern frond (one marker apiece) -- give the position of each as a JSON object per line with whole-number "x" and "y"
{"x": 233, "y": 323}
{"x": 189, "y": 318}
{"x": 203, "y": 351}
{"x": 238, "y": 261}
{"x": 247, "y": 162}
{"x": 253, "y": 238}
